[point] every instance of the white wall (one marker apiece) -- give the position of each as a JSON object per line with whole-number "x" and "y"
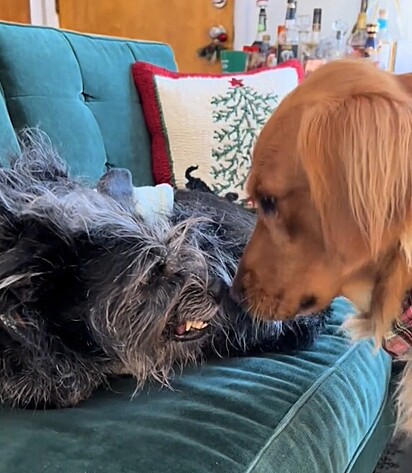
{"x": 246, "y": 16}
{"x": 404, "y": 57}
{"x": 43, "y": 13}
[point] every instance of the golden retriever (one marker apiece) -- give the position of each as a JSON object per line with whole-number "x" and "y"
{"x": 332, "y": 180}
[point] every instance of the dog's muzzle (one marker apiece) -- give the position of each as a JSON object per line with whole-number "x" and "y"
{"x": 194, "y": 330}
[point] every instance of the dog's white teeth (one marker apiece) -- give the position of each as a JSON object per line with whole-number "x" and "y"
{"x": 196, "y": 324}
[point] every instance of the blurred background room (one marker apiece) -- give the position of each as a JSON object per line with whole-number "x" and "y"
{"x": 200, "y": 30}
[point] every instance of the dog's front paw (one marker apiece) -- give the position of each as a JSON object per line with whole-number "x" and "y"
{"x": 360, "y": 327}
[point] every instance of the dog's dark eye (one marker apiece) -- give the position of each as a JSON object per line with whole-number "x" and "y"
{"x": 269, "y": 204}
{"x": 160, "y": 268}
{"x": 308, "y": 302}
{"x": 180, "y": 274}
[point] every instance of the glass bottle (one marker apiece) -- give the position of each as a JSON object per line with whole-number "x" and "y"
{"x": 312, "y": 46}
{"x": 264, "y": 49}
{"x": 304, "y": 24}
{"x": 359, "y": 35}
{"x": 281, "y": 34}
{"x": 292, "y": 34}
{"x": 339, "y": 49}
{"x": 289, "y": 49}
{"x": 316, "y": 25}
{"x": 261, "y": 28}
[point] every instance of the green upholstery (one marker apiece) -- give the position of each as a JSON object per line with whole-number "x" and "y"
{"x": 325, "y": 410}
{"x": 79, "y": 90}
{"x": 311, "y": 413}
{"x": 8, "y": 141}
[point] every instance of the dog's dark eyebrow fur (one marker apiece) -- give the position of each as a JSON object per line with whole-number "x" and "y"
{"x": 82, "y": 296}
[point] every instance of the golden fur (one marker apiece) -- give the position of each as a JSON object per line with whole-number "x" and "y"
{"x": 332, "y": 178}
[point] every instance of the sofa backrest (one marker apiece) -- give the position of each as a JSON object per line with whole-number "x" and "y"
{"x": 79, "y": 90}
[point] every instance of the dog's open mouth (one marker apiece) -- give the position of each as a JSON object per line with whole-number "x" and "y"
{"x": 190, "y": 330}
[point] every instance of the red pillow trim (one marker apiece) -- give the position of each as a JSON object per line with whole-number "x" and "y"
{"x": 144, "y": 77}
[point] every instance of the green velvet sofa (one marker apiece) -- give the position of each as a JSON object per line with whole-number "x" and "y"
{"x": 326, "y": 410}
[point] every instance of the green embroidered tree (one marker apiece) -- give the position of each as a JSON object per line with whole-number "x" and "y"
{"x": 240, "y": 114}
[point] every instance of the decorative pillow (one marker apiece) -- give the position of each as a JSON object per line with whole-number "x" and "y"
{"x": 209, "y": 121}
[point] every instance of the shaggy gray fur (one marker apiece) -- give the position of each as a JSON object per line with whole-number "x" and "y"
{"x": 88, "y": 290}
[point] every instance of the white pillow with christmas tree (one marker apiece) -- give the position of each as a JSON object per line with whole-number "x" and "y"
{"x": 209, "y": 121}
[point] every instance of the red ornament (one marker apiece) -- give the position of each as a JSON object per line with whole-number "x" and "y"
{"x": 222, "y": 37}
{"x": 236, "y": 82}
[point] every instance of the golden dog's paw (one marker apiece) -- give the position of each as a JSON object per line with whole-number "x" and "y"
{"x": 360, "y": 327}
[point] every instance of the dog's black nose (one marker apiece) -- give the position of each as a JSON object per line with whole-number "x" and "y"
{"x": 216, "y": 288}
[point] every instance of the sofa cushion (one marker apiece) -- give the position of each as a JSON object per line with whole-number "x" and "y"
{"x": 312, "y": 413}
{"x": 8, "y": 141}
{"x": 209, "y": 121}
{"x": 80, "y": 91}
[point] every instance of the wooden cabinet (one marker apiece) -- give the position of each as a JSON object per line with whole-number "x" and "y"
{"x": 184, "y": 24}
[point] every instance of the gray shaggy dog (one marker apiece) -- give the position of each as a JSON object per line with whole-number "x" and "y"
{"x": 89, "y": 290}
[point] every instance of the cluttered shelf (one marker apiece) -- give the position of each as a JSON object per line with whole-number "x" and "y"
{"x": 372, "y": 37}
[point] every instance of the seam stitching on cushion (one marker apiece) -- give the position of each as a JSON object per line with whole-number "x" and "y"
{"x": 17, "y": 97}
{"x": 75, "y": 55}
{"x": 106, "y": 157}
{"x": 130, "y": 70}
{"x": 302, "y": 400}
{"x": 133, "y": 54}
{"x": 129, "y": 43}
{"x": 368, "y": 435}
{"x": 86, "y": 35}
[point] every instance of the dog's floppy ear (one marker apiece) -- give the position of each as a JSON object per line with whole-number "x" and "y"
{"x": 356, "y": 149}
{"x": 118, "y": 184}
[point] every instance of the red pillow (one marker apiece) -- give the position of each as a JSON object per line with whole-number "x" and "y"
{"x": 192, "y": 117}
